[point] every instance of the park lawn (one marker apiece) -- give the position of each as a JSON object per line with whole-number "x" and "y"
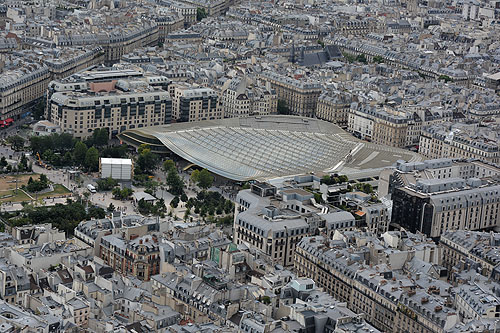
{"x": 58, "y": 191}
{"x": 7, "y": 182}
{"x": 19, "y": 197}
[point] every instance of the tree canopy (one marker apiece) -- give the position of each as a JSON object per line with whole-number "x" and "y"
{"x": 174, "y": 182}
{"x": 16, "y": 142}
{"x": 64, "y": 217}
{"x": 283, "y": 108}
{"x": 168, "y": 165}
{"x": 205, "y": 179}
{"x": 92, "y": 159}
{"x": 201, "y": 13}
{"x": 146, "y": 160}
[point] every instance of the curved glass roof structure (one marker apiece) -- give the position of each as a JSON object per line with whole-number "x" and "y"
{"x": 265, "y": 147}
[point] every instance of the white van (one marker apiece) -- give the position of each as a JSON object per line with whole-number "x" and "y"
{"x": 91, "y": 188}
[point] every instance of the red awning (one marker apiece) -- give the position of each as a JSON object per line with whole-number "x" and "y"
{"x": 9, "y": 120}
{"x": 2, "y": 122}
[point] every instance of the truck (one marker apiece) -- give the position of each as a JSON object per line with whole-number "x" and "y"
{"x": 91, "y": 188}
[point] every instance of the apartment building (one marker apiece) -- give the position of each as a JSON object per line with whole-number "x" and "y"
{"x": 211, "y": 7}
{"x": 358, "y": 27}
{"x": 372, "y": 215}
{"x": 14, "y": 284}
{"x": 116, "y": 99}
{"x": 23, "y": 85}
{"x": 194, "y": 103}
{"x": 136, "y": 256}
{"x": 463, "y": 248}
{"x": 121, "y": 41}
{"x": 433, "y": 206}
{"x": 241, "y": 99}
{"x": 392, "y": 296}
{"x": 300, "y": 96}
{"x": 184, "y": 10}
{"x": 20, "y": 87}
{"x": 386, "y": 127}
{"x": 407, "y": 173}
{"x": 461, "y": 141}
{"x": 74, "y": 60}
{"x": 168, "y": 22}
{"x": 200, "y": 299}
{"x": 334, "y": 107}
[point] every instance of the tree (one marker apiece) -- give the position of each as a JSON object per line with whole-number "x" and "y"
{"x": 186, "y": 214}
{"x": 151, "y": 186}
{"x": 318, "y": 198}
{"x": 266, "y": 300}
{"x": 122, "y": 194}
{"x": 228, "y": 206}
{"x": 92, "y": 159}
{"x": 326, "y": 179}
{"x": 378, "y": 59}
{"x": 80, "y": 152}
{"x": 116, "y": 192}
{"x": 67, "y": 159}
{"x": 37, "y": 185}
{"x": 100, "y": 137}
{"x": 23, "y": 163}
{"x": 176, "y": 186}
{"x": 343, "y": 179}
{"x": 282, "y": 107}
{"x": 146, "y": 161}
{"x": 195, "y": 176}
{"x": 115, "y": 151}
{"x": 3, "y": 162}
{"x": 349, "y": 57}
{"x": 205, "y": 179}
{"x": 184, "y": 197}
{"x": 43, "y": 178}
{"x": 17, "y": 142}
{"x": 61, "y": 142}
{"x": 168, "y": 165}
{"x": 364, "y": 187}
{"x": 175, "y": 202}
{"x": 111, "y": 207}
{"x": 106, "y": 184}
{"x": 160, "y": 208}
{"x": 39, "y": 110}
{"x": 201, "y": 13}
{"x": 445, "y": 78}
{"x": 361, "y": 58}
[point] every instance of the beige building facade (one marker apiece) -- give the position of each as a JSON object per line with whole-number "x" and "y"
{"x": 301, "y": 97}
{"x": 191, "y": 103}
